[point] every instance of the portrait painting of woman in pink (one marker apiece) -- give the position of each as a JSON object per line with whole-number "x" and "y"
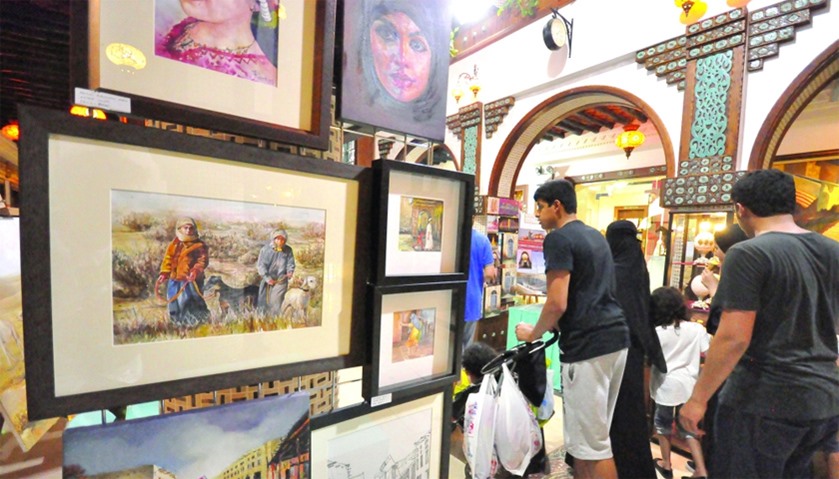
{"x": 395, "y": 64}
{"x": 234, "y": 37}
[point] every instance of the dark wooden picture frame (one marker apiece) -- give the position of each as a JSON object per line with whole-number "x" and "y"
{"x": 454, "y": 190}
{"x": 85, "y": 51}
{"x": 51, "y": 133}
{"x": 446, "y": 339}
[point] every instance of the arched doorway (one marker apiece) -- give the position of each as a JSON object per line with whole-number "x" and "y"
{"x": 823, "y": 70}
{"x": 798, "y": 137}
{"x": 533, "y": 126}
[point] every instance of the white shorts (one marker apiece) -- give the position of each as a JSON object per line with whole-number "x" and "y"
{"x": 589, "y": 393}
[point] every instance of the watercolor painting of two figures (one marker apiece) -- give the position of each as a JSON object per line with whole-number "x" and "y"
{"x": 187, "y": 267}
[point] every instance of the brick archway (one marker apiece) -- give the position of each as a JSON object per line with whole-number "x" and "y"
{"x": 535, "y": 123}
{"x": 792, "y": 102}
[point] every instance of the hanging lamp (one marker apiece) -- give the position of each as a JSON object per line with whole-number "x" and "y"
{"x": 630, "y": 138}
{"x": 692, "y": 10}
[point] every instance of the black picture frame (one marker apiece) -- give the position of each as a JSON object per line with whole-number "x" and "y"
{"x": 358, "y": 413}
{"x": 84, "y": 73}
{"x": 454, "y": 190}
{"x": 43, "y": 128}
{"x": 383, "y": 377}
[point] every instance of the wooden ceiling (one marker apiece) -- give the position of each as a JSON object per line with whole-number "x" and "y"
{"x": 593, "y": 120}
{"x": 34, "y": 55}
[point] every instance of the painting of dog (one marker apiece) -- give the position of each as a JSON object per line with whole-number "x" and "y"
{"x": 231, "y": 299}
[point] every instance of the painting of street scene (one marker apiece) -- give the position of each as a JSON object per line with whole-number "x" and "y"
{"x": 397, "y": 448}
{"x": 186, "y": 267}
{"x": 413, "y": 334}
{"x": 267, "y": 437}
{"x": 420, "y": 221}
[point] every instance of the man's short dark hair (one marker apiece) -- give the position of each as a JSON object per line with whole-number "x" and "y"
{"x": 766, "y": 193}
{"x": 476, "y": 356}
{"x": 562, "y": 190}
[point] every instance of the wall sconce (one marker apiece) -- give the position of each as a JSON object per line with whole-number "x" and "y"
{"x": 737, "y": 3}
{"x": 692, "y": 10}
{"x": 471, "y": 82}
{"x": 630, "y": 139}
{"x": 11, "y": 131}
{"x": 558, "y": 31}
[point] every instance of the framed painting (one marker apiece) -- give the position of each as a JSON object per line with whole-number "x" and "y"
{"x": 158, "y": 264}
{"x": 410, "y": 437}
{"x": 416, "y": 338}
{"x": 388, "y": 86}
{"x": 269, "y": 78}
{"x": 425, "y": 220}
{"x": 267, "y": 437}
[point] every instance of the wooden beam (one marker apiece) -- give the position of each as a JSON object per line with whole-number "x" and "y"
{"x": 613, "y": 115}
{"x": 637, "y": 114}
{"x": 582, "y": 126}
{"x": 573, "y": 129}
{"x": 607, "y": 124}
{"x": 558, "y": 131}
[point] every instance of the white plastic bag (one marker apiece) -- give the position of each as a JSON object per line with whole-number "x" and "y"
{"x": 479, "y": 429}
{"x": 517, "y": 434}
{"x": 546, "y": 409}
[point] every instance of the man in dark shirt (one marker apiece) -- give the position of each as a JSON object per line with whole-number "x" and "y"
{"x": 594, "y": 336}
{"x": 776, "y": 341}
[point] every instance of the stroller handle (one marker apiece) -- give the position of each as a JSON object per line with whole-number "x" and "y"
{"x": 519, "y": 352}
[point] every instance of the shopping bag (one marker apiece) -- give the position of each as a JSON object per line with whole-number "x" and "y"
{"x": 479, "y": 429}
{"x": 546, "y": 409}
{"x": 517, "y": 434}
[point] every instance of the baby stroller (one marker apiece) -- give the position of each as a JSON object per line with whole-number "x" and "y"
{"x": 527, "y": 364}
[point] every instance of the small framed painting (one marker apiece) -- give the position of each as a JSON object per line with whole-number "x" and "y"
{"x": 416, "y": 331}
{"x": 180, "y": 264}
{"x": 425, "y": 219}
{"x": 407, "y": 439}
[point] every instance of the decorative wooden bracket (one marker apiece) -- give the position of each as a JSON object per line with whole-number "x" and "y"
{"x": 667, "y": 59}
{"x": 495, "y": 112}
{"x": 770, "y": 26}
{"x": 453, "y": 124}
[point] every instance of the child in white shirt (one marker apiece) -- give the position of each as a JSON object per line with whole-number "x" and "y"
{"x": 682, "y": 343}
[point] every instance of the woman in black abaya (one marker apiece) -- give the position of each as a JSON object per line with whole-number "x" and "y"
{"x": 629, "y": 432}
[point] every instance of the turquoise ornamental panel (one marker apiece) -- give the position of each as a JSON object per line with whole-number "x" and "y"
{"x": 713, "y": 81}
{"x": 470, "y": 149}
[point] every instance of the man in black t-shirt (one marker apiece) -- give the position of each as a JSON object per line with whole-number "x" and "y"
{"x": 776, "y": 341}
{"x": 594, "y": 336}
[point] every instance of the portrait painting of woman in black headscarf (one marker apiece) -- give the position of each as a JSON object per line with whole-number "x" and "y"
{"x": 395, "y": 64}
